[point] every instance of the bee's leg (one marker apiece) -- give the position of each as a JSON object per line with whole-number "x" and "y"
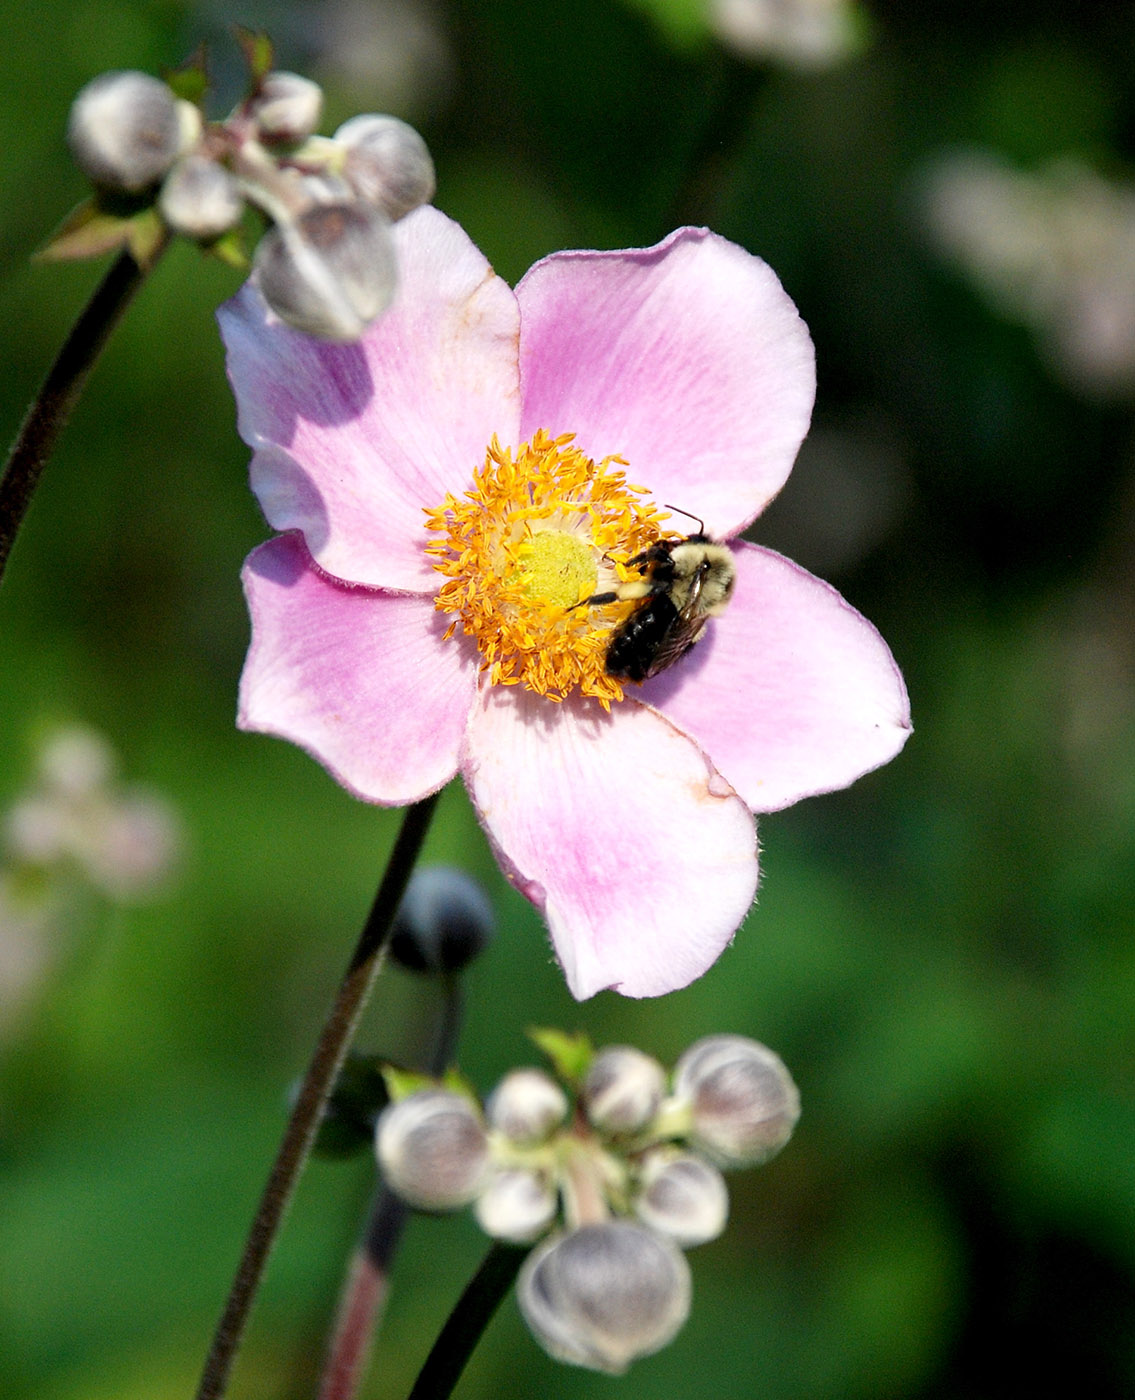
{"x": 597, "y": 600}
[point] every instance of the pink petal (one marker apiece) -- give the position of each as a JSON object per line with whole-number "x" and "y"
{"x": 353, "y": 442}
{"x": 791, "y": 692}
{"x": 360, "y": 680}
{"x": 688, "y": 359}
{"x": 641, "y": 858}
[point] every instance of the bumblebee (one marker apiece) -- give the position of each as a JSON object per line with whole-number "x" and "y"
{"x": 684, "y": 583}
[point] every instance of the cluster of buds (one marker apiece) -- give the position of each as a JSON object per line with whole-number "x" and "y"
{"x": 326, "y": 265}
{"x": 614, "y": 1166}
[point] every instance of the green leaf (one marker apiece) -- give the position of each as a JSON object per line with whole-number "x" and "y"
{"x": 258, "y": 53}
{"x": 571, "y": 1055}
{"x": 190, "y": 80}
{"x": 359, "y": 1096}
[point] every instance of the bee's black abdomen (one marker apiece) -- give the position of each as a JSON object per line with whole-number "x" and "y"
{"x": 635, "y": 646}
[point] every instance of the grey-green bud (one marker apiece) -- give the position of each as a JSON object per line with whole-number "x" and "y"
{"x": 330, "y": 272}
{"x": 682, "y": 1196}
{"x": 387, "y": 163}
{"x": 526, "y": 1106}
{"x": 200, "y": 198}
{"x": 623, "y": 1090}
{"x": 605, "y": 1294}
{"x": 433, "y": 1150}
{"x": 444, "y": 921}
{"x": 124, "y": 130}
{"x": 516, "y": 1205}
{"x": 286, "y": 108}
{"x": 742, "y": 1100}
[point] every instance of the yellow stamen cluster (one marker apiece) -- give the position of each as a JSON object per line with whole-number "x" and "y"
{"x": 541, "y": 528}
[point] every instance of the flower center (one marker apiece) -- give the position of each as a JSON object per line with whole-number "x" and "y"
{"x": 542, "y": 529}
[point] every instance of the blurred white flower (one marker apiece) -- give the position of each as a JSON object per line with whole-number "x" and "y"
{"x": 389, "y": 54}
{"x": 1055, "y": 250}
{"x": 801, "y": 33}
{"x": 76, "y": 815}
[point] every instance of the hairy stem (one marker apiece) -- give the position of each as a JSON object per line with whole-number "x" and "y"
{"x": 60, "y": 391}
{"x": 317, "y": 1084}
{"x": 368, "y": 1275}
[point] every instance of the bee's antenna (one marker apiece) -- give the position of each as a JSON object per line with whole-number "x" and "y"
{"x": 686, "y": 513}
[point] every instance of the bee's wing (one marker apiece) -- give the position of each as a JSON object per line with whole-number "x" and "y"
{"x": 683, "y": 631}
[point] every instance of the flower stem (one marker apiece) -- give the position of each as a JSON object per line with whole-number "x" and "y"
{"x": 467, "y": 1322}
{"x": 317, "y": 1084}
{"x": 60, "y": 390}
{"x": 368, "y": 1276}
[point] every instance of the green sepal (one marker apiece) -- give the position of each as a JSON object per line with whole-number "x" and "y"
{"x": 571, "y": 1055}
{"x": 145, "y": 237}
{"x": 401, "y": 1083}
{"x": 88, "y": 231}
{"x": 190, "y": 80}
{"x": 456, "y": 1083}
{"x": 258, "y": 53}
{"x": 231, "y": 249}
{"x": 99, "y": 226}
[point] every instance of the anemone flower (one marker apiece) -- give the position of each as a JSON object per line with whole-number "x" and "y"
{"x": 455, "y": 489}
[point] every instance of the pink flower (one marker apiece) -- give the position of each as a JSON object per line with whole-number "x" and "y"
{"x": 443, "y": 441}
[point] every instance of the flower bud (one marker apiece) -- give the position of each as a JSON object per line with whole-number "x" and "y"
{"x": 742, "y": 1100}
{"x": 286, "y": 108}
{"x": 682, "y": 1196}
{"x": 444, "y": 921}
{"x": 516, "y": 1205}
{"x": 200, "y": 198}
{"x": 330, "y": 272}
{"x": 526, "y": 1106}
{"x": 623, "y": 1089}
{"x": 387, "y": 163}
{"x": 605, "y": 1294}
{"x": 124, "y": 130}
{"x": 432, "y": 1149}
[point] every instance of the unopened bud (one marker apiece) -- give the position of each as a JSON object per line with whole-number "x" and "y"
{"x": 605, "y": 1294}
{"x": 387, "y": 164}
{"x": 526, "y": 1106}
{"x": 286, "y": 108}
{"x": 742, "y": 1101}
{"x": 200, "y": 198}
{"x": 682, "y": 1196}
{"x": 444, "y": 921}
{"x": 623, "y": 1089}
{"x": 330, "y": 272}
{"x": 516, "y": 1205}
{"x": 432, "y": 1149}
{"x": 124, "y": 130}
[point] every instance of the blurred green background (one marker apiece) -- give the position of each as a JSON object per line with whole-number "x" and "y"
{"x": 943, "y": 954}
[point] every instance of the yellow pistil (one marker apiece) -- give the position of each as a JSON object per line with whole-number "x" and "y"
{"x": 542, "y": 529}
